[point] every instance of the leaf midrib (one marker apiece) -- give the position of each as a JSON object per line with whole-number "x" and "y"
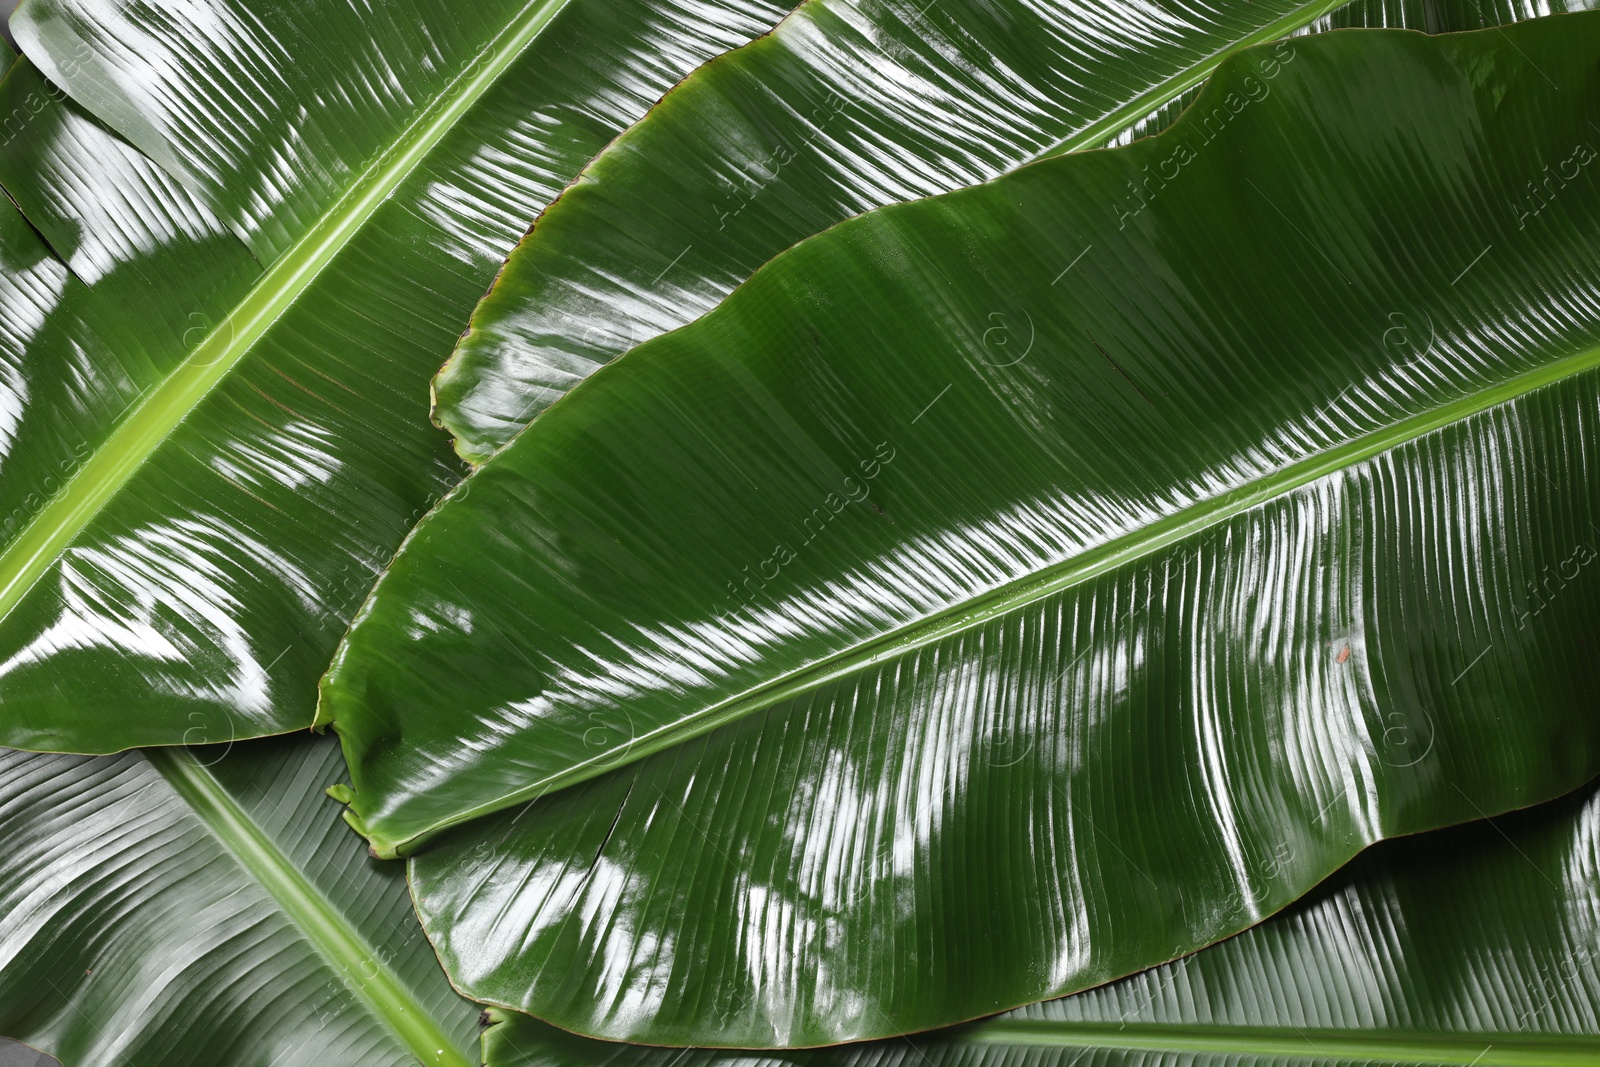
{"x": 973, "y": 612}
{"x": 1485, "y": 1050}
{"x": 359, "y": 966}
{"x": 1114, "y": 122}
{"x": 160, "y": 410}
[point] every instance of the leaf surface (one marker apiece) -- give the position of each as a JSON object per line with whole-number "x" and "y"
{"x": 1472, "y": 945}
{"x": 918, "y": 624}
{"x": 204, "y": 463}
{"x": 203, "y": 907}
{"x": 844, "y": 107}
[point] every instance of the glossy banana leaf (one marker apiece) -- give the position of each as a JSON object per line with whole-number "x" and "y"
{"x": 846, "y": 106}
{"x": 202, "y": 907}
{"x": 969, "y": 609}
{"x": 204, "y": 464}
{"x": 1469, "y": 946}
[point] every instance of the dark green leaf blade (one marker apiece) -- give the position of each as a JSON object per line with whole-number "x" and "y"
{"x": 1473, "y": 945}
{"x": 203, "y": 907}
{"x": 841, "y": 109}
{"x": 1271, "y": 523}
{"x": 196, "y": 517}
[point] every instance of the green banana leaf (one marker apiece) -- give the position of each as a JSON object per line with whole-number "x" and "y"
{"x": 1469, "y": 946}
{"x": 968, "y": 609}
{"x": 846, "y": 106}
{"x": 204, "y": 463}
{"x": 203, "y": 907}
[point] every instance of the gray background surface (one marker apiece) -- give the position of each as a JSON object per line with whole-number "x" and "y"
{"x": 15, "y": 1053}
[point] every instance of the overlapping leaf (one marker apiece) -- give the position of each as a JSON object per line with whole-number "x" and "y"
{"x": 1473, "y": 945}
{"x": 205, "y": 461}
{"x": 846, "y": 106}
{"x": 968, "y": 610}
{"x": 201, "y": 907}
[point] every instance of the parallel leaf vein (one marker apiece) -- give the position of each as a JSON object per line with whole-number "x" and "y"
{"x": 1116, "y": 121}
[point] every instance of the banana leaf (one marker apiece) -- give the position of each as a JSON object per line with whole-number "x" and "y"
{"x": 842, "y": 108}
{"x": 214, "y": 371}
{"x": 938, "y": 625}
{"x": 202, "y": 907}
{"x": 1469, "y": 946}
